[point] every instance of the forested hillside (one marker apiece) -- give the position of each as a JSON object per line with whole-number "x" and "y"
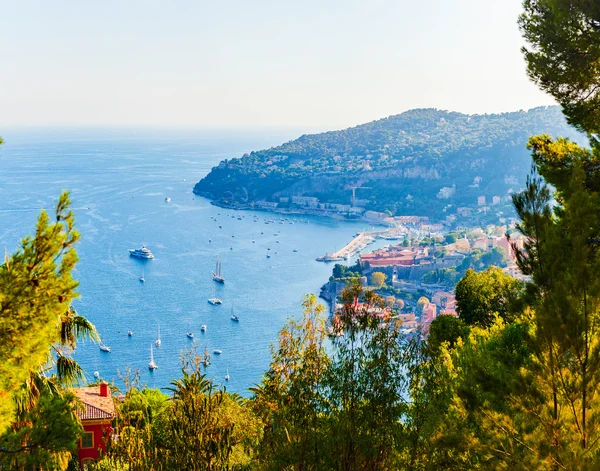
{"x": 401, "y": 161}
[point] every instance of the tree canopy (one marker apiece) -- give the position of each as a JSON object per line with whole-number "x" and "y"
{"x": 563, "y": 56}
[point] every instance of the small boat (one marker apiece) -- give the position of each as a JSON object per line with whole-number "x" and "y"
{"x": 217, "y": 273}
{"x": 217, "y": 352}
{"x": 234, "y": 318}
{"x": 220, "y": 227}
{"x": 227, "y": 375}
{"x": 129, "y": 333}
{"x": 190, "y": 335}
{"x": 96, "y": 374}
{"x": 167, "y": 199}
{"x": 268, "y": 256}
{"x": 152, "y": 364}
{"x": 203, "y": 328}
{"x": 158, "y": 341}
{"x": 104, "y": 348}
{"x": 142, "y": 279}
{"x": 294, "y": 250}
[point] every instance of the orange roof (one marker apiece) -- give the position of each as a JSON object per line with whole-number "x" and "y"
{"x": 96, "y": 406}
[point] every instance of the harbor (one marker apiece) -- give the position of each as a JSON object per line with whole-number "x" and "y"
{"x": 362, "y": 240}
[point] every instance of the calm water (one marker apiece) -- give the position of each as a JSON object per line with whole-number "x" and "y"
{"x": 118, "y": 182}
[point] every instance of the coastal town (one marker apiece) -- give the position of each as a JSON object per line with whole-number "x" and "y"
{"x": 416, "y": 277}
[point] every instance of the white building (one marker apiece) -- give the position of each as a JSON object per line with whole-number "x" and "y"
{"x": 446, "y": 192}
{"x": 310, "y": 201}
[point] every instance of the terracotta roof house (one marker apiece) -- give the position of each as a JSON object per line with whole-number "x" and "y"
{"x": 96, "y": 417}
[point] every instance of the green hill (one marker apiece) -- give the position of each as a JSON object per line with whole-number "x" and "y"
{"x": 401, "y": 162}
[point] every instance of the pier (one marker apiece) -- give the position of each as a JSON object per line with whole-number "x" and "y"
{"x": 360, "y": 241}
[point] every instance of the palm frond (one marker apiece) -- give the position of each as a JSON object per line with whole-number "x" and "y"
{"x": 68, "y": 371}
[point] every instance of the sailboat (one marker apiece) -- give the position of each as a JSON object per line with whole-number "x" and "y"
{"x": 234, "y": 318}
{"x": 190, "y": 334}
{"x": 217, "y": 273}
{"x": 152, "y": 364}
{"x": 142, "y": 279}
{"x": 158, "y": 342}
{"x": 227, "y": 375}
{"x": 104, "y": 348}
{"x": 214, "y": 300}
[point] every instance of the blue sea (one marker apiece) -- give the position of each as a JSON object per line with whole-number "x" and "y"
{"x": 118, "y": 182}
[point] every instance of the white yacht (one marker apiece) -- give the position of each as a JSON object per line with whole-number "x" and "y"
{"x": 143, "y": 253}
{"x": 104, "y": 348}
{"x": 152, "y": 364}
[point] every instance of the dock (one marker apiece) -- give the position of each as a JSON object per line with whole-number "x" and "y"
{"x": 360, "y": 241}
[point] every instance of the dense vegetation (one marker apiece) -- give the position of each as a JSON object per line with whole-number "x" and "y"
{"x": 401, "y": 161}
{"x": 513, "y": 383}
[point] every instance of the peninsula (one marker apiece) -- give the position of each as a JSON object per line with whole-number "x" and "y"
{"x": 426, "y": 162}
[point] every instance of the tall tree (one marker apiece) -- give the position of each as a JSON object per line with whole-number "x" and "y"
{"x": 366, "y": 384}
{"x": 563, "y": 57}
{"x": 36, "y": 289}
{"x": 291, "y": 397}
{"x": 481, "y": 295}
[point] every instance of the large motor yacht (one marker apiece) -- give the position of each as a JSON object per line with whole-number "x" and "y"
{"x": 141, "y": 253}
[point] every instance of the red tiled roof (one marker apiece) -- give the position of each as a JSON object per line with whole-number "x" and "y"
{"x": 96, "y": 406}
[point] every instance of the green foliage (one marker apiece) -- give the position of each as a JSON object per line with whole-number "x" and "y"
{"x": 422, "y": 303}
{"x": 448, "y": 329}
{"x": 45, "y": 437}
{"x": 290, "y": 398}
{"x": 378, "y": 279}
{"x": 36, "y": 289}
{"x": 479, "y": 296}
{"x": 343, "y": 271}
{"x": 563, "y": 56}
{"x": 199, "y": 427}
{"x": 365, "y": 386}
{"x": 450, "y": 238}
{"x": 380, "y": 154}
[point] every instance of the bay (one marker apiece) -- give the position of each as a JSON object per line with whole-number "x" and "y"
{"x": 118, "y": 181}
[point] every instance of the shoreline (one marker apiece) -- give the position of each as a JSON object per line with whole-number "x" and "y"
{"x": 359, "y": 242}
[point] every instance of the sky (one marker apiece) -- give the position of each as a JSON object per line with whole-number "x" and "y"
{"x": 249, "y": 63}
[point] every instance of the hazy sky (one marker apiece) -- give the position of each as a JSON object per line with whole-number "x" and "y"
{"x": 318, "y": 63}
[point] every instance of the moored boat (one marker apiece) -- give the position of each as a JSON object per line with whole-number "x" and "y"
{"x": 143, "y": 253}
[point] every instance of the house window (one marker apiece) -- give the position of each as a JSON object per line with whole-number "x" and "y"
{"x": 87, "y": 440}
